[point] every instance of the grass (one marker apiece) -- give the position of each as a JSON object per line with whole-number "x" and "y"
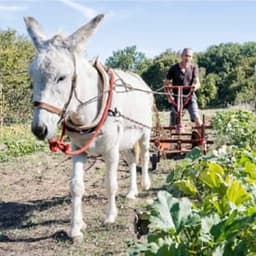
{"x": 17, "y": 140}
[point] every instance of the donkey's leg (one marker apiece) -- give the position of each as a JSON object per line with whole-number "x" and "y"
{"x": 145, "y": 144}
{"x": 131, "y": 160}
{"x": 77, "y": 191}
{"x": 112, "y": 160}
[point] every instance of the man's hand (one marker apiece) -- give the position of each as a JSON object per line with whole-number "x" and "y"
{"x": 196, "y": 84}
{"x": 166, "y": 82}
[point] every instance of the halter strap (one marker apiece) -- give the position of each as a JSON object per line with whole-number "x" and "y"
{"x": 55, "y": 110}
{"x": 60, "y": 145}
{"x": 48, "y": 107}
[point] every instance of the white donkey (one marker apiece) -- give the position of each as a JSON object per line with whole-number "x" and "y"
{"x": 60, "y": 62}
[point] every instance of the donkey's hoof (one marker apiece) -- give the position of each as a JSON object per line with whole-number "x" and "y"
{"x": 132, "y": 195}
{"x": 110, "y": 219}
{"x": 77, "y": 239}
{"x": 146, "y": 184}
{"x": 76, "y": 236}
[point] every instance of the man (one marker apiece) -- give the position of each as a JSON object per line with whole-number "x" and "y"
{"x": 184, "y": 73}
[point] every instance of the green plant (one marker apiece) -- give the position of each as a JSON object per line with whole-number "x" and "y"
{"x": 209, "y": 207}
{"x": 218, "y": 214}
{"x": 17, "y": 140}
{"x": 236, "y": 128}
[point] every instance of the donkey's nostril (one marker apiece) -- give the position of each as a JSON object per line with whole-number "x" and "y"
{"x": 40, "y": 131}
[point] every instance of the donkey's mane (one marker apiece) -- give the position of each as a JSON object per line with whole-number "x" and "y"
{"x": 53, "y": 52}
{"x": 59, "y": 40}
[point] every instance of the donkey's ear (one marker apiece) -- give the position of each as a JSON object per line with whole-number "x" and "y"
{"x": 78, "y": 39}
{"x": 36, "y": 32}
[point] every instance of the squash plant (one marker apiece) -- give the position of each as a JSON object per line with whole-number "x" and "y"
{"x": 209, "y": 207}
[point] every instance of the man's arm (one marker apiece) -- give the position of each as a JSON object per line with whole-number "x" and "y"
{"x": 196, "y": 82}
{"x": 169, "y": 76}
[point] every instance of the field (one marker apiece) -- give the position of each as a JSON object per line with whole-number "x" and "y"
{"x": 35, "y": 206}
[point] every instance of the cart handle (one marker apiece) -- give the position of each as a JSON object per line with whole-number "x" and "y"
{"x": 180, "y": 87}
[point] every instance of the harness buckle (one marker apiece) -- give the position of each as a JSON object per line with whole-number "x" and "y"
{"x": 114, "y": 112}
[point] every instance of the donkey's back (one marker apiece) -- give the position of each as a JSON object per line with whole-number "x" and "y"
{"x": 133, "y": 98}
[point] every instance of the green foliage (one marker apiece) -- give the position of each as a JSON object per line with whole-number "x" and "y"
{"x": 156, "y": 73}
{"x": 220, "y": 219}
{"x": 226, "y": 74}
{"x": 129, "y": 59}
{"x": 15, "y": 55}
{"x": 170, "y": 214}
{"x": 17, "y": 140}
{"x": 236, "y": 128}
{"x": 207, "y": 92}
{"x": 233, "y": 64}
{"x": 209, "y": 207}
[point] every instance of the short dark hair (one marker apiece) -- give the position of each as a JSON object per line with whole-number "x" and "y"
{"x": 186, "y": 50}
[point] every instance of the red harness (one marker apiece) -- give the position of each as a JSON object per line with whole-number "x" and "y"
{"x": 59, "y": 145}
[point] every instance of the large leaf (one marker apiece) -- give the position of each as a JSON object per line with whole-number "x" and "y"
{"x": 235, "y": 249}
{"x": 172, "y": 250}
{"x": 207, "y": 223}
{"x": 186, "y": 186}
{"x": 236, "y": 193}
{"x": 194, "y": 154}
{"x": 170, "y": 214}
{"x": 250, "y": 168}
{"x": 219, "y": 250}
{"x": 162, "y": 247}
{"x": 231, "y": 227}
{"x": 219, "y": 205}
{"x": 229, "y": 249}
{"x": 212, "y": 175}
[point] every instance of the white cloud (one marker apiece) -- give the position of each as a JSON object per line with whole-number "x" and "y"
{"x": 86, "y": 11}
{"x": 12, "y": 8}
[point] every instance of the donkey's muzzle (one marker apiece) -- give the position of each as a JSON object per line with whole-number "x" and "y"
{"x": 40, "y": 131}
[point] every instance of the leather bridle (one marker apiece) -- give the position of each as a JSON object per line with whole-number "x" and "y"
{"x": 55, "y": 110}
{"x": 59, "y": 144}
{"x": 48, "y": 107}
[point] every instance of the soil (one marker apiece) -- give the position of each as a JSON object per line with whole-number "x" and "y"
{"x": 35, "y": 206}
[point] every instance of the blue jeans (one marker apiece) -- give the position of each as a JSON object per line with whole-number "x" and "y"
{"x": 192, "y": 108}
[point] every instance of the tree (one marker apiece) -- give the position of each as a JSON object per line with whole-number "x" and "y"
{"x": 15, "y": 55}
{"x": 156, "y": 73}
{"x": 233, "y": 64}
{"x": 207, "y": 92}
{"x": 129, "y": 59}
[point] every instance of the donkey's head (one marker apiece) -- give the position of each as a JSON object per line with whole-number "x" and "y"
{"x": 53, "y": 72}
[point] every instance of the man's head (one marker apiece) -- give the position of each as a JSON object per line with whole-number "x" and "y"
{"x": 186, "y": 56}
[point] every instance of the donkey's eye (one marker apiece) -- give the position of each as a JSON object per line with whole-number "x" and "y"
{"x": 61, "y": 78}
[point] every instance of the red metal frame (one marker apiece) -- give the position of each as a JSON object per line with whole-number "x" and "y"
{"x": 180, "y": 104}
{"x": 172, "y": 140}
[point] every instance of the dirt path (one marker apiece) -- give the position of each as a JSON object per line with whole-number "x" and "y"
{"x": 35, "y": 208}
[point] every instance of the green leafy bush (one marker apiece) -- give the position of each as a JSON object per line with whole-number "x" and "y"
{"x": 17, "y": 140}
{"x": 235, "y": 128}
{"x": 209, "y": 207}
{"x": 218, "y": 214}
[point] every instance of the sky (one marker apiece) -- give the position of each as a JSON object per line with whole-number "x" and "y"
{"x": 153, "y": 26}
